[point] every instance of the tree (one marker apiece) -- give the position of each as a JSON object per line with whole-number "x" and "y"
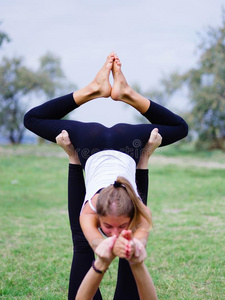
{"x": 17, "y": 87}
{"x": 3, "y": 37}
{"x": 51, "y": 75}
{"x": 17, "y": 81}
{"x": 206, "y": 88}
{"x": 52, "y": 78}
{"x": 206, "y": 85}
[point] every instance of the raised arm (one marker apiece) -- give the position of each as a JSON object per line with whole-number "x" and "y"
{"x": 153, "y": 143}
{"x": 95, "y": 275}
{"x": 89, "y": 225}
{"x": 64, "y": 142}
{"x": 142, "y": 179}
{"x": 145, "y": 285}
{"x": 92, "y": 280}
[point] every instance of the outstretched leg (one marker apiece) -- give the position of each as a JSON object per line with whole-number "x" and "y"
{"x": 46, "y": 120}
{"x": 171, "y": 126}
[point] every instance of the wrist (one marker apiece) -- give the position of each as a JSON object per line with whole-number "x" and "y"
{"x": 143, "y": 162}
{"x": 142, "y": 165}
{"x": 73, "y": 161}
{"x": 136, "y": 265}
{"x": 94, "y": 243}
{"x": 144, "y": 242}
{"x": 100, "y": 266}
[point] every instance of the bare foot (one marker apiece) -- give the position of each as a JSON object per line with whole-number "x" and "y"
{"x": 120, "y": 88}
{"x": 123, "y": 92}
{"x": 101, "y": 85}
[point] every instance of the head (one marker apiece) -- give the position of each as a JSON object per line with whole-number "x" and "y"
{"x": 119, "y": 208}
{"x": 113, "y": 225}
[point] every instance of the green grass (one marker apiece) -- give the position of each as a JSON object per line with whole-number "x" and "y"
{"x": 185, "y": 249}
{"x": 186, "y": 150}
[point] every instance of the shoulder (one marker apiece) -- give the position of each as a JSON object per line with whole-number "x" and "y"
{"x": 90, "y": 206}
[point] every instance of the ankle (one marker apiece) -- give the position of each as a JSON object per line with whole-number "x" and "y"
{"x": 85, "y": 94}
{"x": 134, "y": 99}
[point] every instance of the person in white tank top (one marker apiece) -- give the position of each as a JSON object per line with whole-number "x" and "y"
{"x": 113, "y": 170}
{"x": 114, "y": 227}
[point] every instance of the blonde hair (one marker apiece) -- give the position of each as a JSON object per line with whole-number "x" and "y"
{"x": 120, "y": 199}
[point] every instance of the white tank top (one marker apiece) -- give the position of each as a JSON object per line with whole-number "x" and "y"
{"x": 103, "y": 168}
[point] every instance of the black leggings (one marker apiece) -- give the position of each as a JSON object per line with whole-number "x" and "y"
{"x": 83, "y": 254}
{"x": 89, "y": 138}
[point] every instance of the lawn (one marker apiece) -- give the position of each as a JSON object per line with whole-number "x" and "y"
{"x": 185, "y": 249}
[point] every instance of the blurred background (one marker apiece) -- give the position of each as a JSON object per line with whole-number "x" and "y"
{"x": 171, "y": 52}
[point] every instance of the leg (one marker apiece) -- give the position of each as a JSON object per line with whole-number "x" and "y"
{"x": 82, "y": 252}
{"x": 171, "y": 126}
{"x": 45, "y": 120}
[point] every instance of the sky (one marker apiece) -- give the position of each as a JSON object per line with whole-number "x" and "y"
{"x": 151, "y": 37}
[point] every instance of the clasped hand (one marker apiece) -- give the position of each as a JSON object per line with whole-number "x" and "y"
{"x": 124, "y": 246}
{"x": 129, "y": 248}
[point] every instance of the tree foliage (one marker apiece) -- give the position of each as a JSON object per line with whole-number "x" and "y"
{"x": 3, "y": 37}
{"x": 18, "y": 85}
{"x": 17, "y": 81}
{"x": 17, "y": 88}
{"x": 51, "y": 76}
{"x": 206, "y": 87}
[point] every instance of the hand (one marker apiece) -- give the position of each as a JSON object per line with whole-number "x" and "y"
{"x": 64, "y": 142}
{"x": 154, "y": 142}
{"x": 104, "y": 249}
{"x": 124, "y": 245}
{"x": 140, "y": 253}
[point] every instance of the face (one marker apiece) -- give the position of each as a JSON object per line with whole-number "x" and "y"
{"x": 112, "y": 225}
